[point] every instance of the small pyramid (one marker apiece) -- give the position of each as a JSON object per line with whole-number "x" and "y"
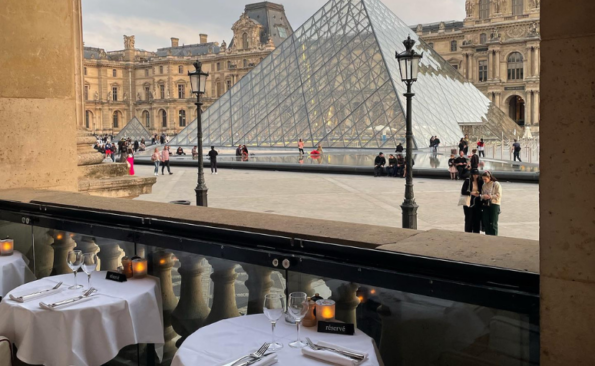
{"x": 135, "y": 130}
{"x": 335, "y": 81}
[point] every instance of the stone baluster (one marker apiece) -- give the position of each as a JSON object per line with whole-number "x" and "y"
{"x": 110, "y": 254}
{"x": 346, "y": 301}
{"x": 163, "y": 263}
{"x": 63, "y": 243}
{"x": 224, "y": 293}
{"x": 87, "y": 244}
{"x": 44, "y": 254}
{"x": 259, "y": 284}
{"x": 192, "y": 310}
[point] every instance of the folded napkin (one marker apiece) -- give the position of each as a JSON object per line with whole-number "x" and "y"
{"x": 333, "y": 357}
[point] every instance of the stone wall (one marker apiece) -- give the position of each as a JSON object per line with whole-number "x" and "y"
{"x": 38, "y": 93}
{"x": 567, "y": 203}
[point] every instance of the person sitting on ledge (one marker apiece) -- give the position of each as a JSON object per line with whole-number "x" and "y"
{"x": 379, "y": 163}
{"x": 195, "y": 152}
{"x": 180, "y": 151}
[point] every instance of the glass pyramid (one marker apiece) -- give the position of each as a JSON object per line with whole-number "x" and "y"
{"x": 336, "y": 82}
{"x": 135, "y": 130}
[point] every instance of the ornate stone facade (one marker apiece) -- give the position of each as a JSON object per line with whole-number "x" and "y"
{"x": 497, "y": 48}
{"x": 154, "y": 86}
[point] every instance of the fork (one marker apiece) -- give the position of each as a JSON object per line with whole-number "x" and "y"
{"x": 25, "y": 297}
{"x": 87, "y": 293}
{"x": 355, "y": 356}
{"x": 255, "y": 355}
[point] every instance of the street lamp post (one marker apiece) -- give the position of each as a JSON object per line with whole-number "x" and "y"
{"x": 198, "y": 82}
{"x": 409, "y": 67}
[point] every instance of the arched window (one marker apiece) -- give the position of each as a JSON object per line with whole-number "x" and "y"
{"x": 245, "y": 41}
{"x": 116, "y": 119}
{"x": 453, "y": 46}
{"x": 484, "y": 9}
{"x": 515, "y": 66}
{"x": 483, "y": 38}
{"x": 88, "y": 117}
{"x": 182, "y": 118}
{"x": 147, "y": 118}
{"x": 517, "y": 7}
{"x": 163, "y": 118}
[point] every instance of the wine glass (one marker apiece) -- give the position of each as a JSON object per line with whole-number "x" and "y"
{"x": 74, "y": 258}
{"x": 297, "y": 308}
{"x": 274, "y": 307}
{"x": 89, "y": 265}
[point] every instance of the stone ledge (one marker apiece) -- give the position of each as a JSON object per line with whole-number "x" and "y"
{"x": 510, "y": 253}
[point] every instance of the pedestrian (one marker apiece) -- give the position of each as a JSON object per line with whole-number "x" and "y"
{"x": 180, "y": 151}
{"x": 462, "y": 145}
{"x": 491, "y": 195}
{"x": 516, "y": 150}
{"x": 432, "y": 142}
{"x": 136, "y": 145}
{"x": 239, "y": 153}
{"x": 319, "y": 149}
{"x": 130, "y": 162}
{"x": 400, "y": 166}
{"x": 156, "y": 159}
{"x": 213, "y": 156}
{"x": 461, "y": 164}
{"x": 466, "y": 141}
{"x": 399, "y": 148}
{"x": 165, "y": 160}
{"x": 153, "y": 140}
{"x": 162, "y": 138}
{"x": 379, "y": 164}
{"x": 108, "y": 151}
{"x": 301, "y": 146}
{"x": 474, "y": 161}
{"x": 195, "y": 152}
{"x": 391, "y": 169}
{"x": 436, "y": 144}
{"x": 452, "y": 168}
{"x": 473, "y": 206}
{"x": 481, "y": 148}
{"x": 123, "y": 151}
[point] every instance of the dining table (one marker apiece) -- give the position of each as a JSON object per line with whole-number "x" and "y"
{"x": 14, "y": 272}
{"x": 226, "y": 340}
{"x": 90, "y": 331}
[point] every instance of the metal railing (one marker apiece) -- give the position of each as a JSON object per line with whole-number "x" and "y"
{"x": 419, "y": 310}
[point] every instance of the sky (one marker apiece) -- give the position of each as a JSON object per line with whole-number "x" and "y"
{"x": 154, "y": 22}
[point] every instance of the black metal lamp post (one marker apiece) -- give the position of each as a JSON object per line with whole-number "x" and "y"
{"x": 409, "y": 67}
{"x": 198, "y": 83}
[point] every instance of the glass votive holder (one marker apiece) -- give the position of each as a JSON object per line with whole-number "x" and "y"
{"x": 127, "y": 267}
{"x": 139, "y": 268}
{"x": 6, "y": 246}
{"x": 325, "y": 310}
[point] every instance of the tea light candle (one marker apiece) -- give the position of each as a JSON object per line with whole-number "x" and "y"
{"x": 139, "y": 268}
{"x": 6, "y": 246}
{"x": 325, "y": 310}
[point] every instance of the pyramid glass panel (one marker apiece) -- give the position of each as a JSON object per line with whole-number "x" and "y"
{"x": 335, "y": 81}
{"x": 135, "y": 130}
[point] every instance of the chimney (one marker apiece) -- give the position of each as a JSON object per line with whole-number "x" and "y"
{"x": 203, "y": 38}
{"x": 175, "y": 42}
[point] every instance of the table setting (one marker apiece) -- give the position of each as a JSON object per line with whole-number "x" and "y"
{"x": 14, "y": 267}
{"x": 59, "y": 321}
{"x": 267, "y": 339}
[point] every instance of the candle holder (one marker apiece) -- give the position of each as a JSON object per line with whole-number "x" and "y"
{"x": 6, "y": 246}
{"x": 127, "y": 267}
{"x": 139, "y": 268}
{"x": 325, "y": 310}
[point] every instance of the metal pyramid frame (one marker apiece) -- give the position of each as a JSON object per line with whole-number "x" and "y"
{"x": 336, "y": 82}
{"x": 135, "y": 130}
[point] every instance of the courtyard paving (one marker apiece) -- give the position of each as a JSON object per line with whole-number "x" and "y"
{"x": 348, "y": 198}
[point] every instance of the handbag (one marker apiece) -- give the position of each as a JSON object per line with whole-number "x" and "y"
{"x": 465, "y": 201}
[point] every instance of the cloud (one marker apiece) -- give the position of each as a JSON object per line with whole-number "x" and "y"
{"x": 153, "y": 22}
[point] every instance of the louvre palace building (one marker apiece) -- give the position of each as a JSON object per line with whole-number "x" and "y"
{"x": 497, "y": 48}
{"x": 154, "y": 87}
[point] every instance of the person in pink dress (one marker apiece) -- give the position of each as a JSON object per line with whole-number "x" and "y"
{"x": 301, "y": 146}
{"x": 130, "y": 162}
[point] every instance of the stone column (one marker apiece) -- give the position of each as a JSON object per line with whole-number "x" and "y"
{"x": 529, "y": 62}
{"x": 465, "y": 66}
{"x": 536, "y": 107}
{"x": 537, "y": 62}
{"x": 110, "y": 254}
{"x": 163, "y": 263}
{"x": 497, "y": 57}
{"x": 87, "y": 244}
{"x": 490, "y": 65}
{"x": 259, "y": 284}
{"x": 192, "y": 310}
{"x": 471, "y": 68}
{"x": 224, "y": 291}
{"x": 528, "y": 105}
{"x": 346, "y": 301}
{"x": 498, "y": 96}
{"x": 63, "y": 243}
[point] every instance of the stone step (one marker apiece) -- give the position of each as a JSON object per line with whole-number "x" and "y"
{"x": 122, "y": 187}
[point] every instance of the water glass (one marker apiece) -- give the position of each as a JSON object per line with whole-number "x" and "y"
{"x": 89, "y": 265}
{"x": 297, "y": 307}
{"x": 74, "y": 259}
{"x": 274, "y": 307}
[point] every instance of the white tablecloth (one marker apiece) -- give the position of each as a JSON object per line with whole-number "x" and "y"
{"x": 235, "y": 337}
{"x": 86, "y": 333}
{"x": 14, "y": 271}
